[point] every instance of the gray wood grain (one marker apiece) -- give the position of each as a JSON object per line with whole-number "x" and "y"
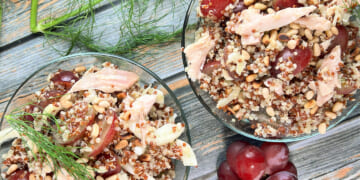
{"x": 334, "y": 155}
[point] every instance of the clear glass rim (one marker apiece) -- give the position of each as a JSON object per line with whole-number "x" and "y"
{"x": 65, "y": 58}
{"x": 202, "y": 101}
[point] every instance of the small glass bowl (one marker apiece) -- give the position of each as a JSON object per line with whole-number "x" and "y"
{"x": 39, "y": 79}
{"x": 243, "y": 127}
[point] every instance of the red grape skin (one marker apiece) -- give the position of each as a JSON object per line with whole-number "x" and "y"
{"x": 210, "y": 66}
{"x": 282, "y": 175}
{"x": 64, "y": 78}
{"x": 300, "y": 56}
{"x": 282, "y": 4}
{"x": 214, "y": 8}
{"x": 225, "y": 173}
{"x": 276, "y": 156}
{"x": 250, "y": 163}
{"x": 290, "y": 167}
{"x": 341, "y": 39}
{"x": 232, "y": 151}
{"x": 19, "y": 175}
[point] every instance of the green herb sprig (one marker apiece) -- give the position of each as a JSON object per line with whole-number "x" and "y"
{"x": 61, "y": 157}
{"x": 138, "y": 22}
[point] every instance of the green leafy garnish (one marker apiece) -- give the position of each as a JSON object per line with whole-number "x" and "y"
{"x": 137, "y": 22}
{"x": 60, "y": 156}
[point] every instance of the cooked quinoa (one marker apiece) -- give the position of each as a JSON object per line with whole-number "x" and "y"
{"x": 264, "y": 70}
{"x": 126, "y": 134}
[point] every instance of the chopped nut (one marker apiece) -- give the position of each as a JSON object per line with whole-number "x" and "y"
{"x": 294, "y": 26}
{"x": 82, "y": 160}
{"x": 292, "y": 32}
{"x": 313, "y": 110}
{"x": 291, "y": 44}
{"x": 99, "y": 109}
{"x": 322, "y": 128}
{"x": 125, "y": 116}
{"x": 329, "y": 34}
{"x": 12, "y": 169}
{"x": 121, "y": 145}
{"x": 251, "y": 77}
{"x": 145, "y": 158}
{"x": 309, "y": 95}
{"x": 248, "y": 2}
{"x": 267, "y": 60}
{"x": 270, "y": 111}
{"x": 310, "y": 104}
{"x": 334, "y": 30}
{"x": 357, "y": 58}
{"x": 236, "y": 108}
{"x": 337, "y": 106}
{"x": 95, "y": 131}
{"x": 104, "y": 104}
{"x": 317, "y": 50}
{"x": 266, "y": 39}
{"x": 245, "y": 55}
{"x": 330, "y": 114}
{"x": 32, "y": 176}
{"x": 65, "y": 101}
{"x": 260, "y": 6}
{"x": 308, "y": 34}
{"x": 121, "y": 95}
{"x": 80, "y": 69}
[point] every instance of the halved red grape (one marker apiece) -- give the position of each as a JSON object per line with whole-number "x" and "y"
{"x": 19, "y": 175}
{"x": 111, "y": 161}
{"x": 107, "y": 133}
{"x": 232, "y": 151}
{"x": 250, "y": 163}
{"x": 214, "y": 8}
{"x": 210, "y": 66}
{"x": 276, "y": 156}
{"x": 282, "y": 4}
{"x": 50, "y": 97}
{"x": 290, "y": 167}
{"x": 76, "y": 128}
{"x": 64, "y": 78}
{"x": 225, "y": 173}
{"x": 300, "y": 56}
{"x": 282, "y": 175}
{"x": 341, "y": 39}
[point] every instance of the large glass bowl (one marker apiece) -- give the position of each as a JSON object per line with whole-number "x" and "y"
{"x": 243, "y": 127}
{"x": 38, "y": 80}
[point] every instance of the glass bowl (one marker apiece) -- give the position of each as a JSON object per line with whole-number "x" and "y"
{"x": 243, "y": 127}
{"x": 39, "y": 79}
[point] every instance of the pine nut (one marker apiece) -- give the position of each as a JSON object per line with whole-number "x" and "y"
{"x": 317, "y": 50}
{"x": 271, "y": 11}
{"x": 270, "y": 111}
{"x": 260, "y": 6}
{"x": 267, "y": 60}
{"x": 308, "y": 34}
{"x": 266, "y": 39}
{"x": 48, "y": 178}
{"x": 245, "y": 55}
{"x": 125, "y": 116}
{"x": 104, "y": 104}
{"x": 337, "y": 106}
{"x": 313, "y": 2}
{"x": 256, "y": 85}
{"x": 251, "y": 78}
{"x": 322, "y": 128}
{"x": 294, "y": 26}
{"x": 357, "y": 58}
{"x": 12, "y": 169}
{"x": 99, "y": 109}
{"x": 291, "y": 44}
{"x": 236, "y": 108}
{"x": 121, "y": 145}
{"x": 100, "y": 178}
{"x": 329, "y": 34}
{"x": 330, "y": 114}
{"x": 32, "y": 176}
{"x": 292, "y": 32}
{"x": 309, "y": 95}
{"x": 82, "y": 160}
{"x": 65, "y": 101}
{"x": 334, "y": 30}
{"x": 248, "y": 2}
{"x": 80, "y": 69}
{"x": 95, "y": 131}
{"x": 313, "y": 110}
{"x": 310, "y": 104}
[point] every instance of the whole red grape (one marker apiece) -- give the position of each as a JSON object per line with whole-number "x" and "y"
{"x": 250, "y": 163}
{"x": 232, "y": 151}
{"x": 290, "y": 167}
{"x": 276, "y": 156}
{"x": 282, "y": 175}
{"x": 225, "y": 173}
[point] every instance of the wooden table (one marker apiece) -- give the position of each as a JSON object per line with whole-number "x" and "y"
{"x": 335, "y": 155}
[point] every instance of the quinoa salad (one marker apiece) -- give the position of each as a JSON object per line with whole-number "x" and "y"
{"x": 117, "y": 128}
{"x": 296, "y": 61}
